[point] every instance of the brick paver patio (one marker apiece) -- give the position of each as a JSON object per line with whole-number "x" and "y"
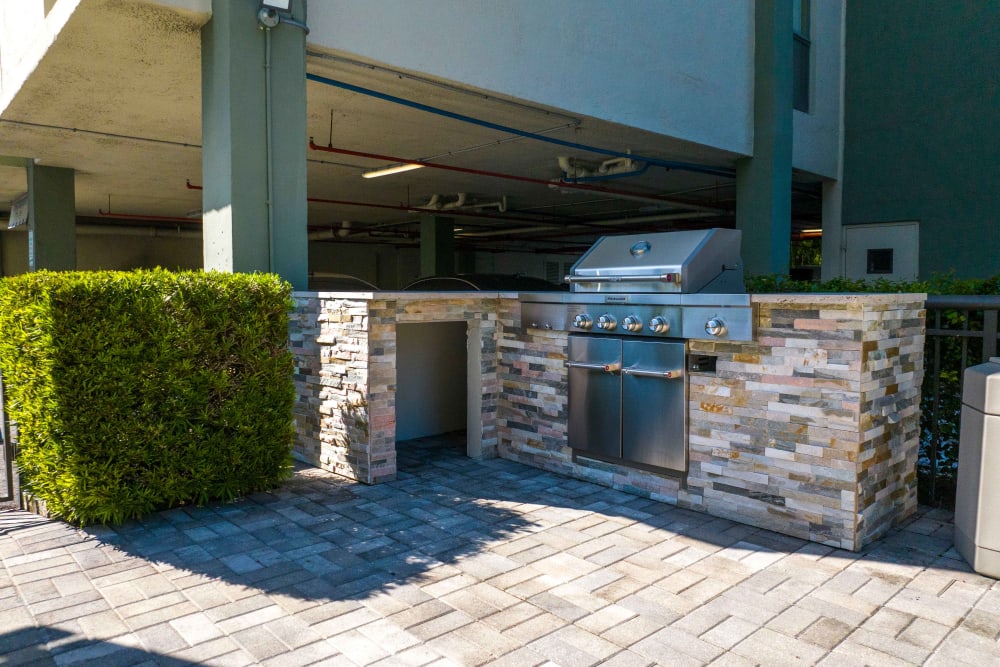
{"x": 463, "y": 562}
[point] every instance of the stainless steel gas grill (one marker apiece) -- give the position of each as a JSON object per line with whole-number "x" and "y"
{"x": 634, "y": 301}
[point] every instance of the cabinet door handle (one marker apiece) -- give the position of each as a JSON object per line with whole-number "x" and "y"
{"x": 642, "y": 372}
{"x": 613, "y": 367}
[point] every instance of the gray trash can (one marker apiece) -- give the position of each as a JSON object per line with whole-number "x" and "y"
{"x": 977, "y": 501}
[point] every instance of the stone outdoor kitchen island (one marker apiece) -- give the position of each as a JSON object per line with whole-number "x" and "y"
{"x": 811, "y": 429}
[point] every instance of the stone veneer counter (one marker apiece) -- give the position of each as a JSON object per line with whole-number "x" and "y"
{"x": 811, "y": 430}
{"x": 345, "y": 356}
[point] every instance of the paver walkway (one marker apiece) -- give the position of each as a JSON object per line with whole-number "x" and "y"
{"x": 466, "y": 562}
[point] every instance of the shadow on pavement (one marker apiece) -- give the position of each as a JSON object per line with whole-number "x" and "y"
{"x": 325, "y": 537}
{"x": 321, "y": 536}
{"x": 50, "y": 646}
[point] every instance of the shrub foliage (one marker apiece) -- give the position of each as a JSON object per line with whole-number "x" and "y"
{"x": 136, "y": 391}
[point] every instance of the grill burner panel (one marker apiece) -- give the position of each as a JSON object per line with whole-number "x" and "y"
{"x": 654, "y": 320}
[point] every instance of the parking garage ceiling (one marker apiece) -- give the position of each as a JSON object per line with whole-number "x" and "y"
{"x": 117, "y": 98}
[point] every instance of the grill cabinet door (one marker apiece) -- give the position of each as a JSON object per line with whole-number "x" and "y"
{"x": 595, "y": 395}
{"x": 654, "y": 413}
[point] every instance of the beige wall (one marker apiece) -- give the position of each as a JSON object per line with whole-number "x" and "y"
{"x": 118, "y": 252}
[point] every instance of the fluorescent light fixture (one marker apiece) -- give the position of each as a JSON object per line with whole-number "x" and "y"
{"x": 280, "y": 5}
{"x": 398, "y": 169}
{"x": 812, "y": 231}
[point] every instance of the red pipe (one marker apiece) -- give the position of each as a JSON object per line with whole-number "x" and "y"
{"x": 496, "y": 174}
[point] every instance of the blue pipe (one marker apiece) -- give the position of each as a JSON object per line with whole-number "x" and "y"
{"x": 668, "y": 164}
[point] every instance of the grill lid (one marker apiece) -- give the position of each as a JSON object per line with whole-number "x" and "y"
{"x": 704, "y": 260}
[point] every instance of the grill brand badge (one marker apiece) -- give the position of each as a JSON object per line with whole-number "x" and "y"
{"x": 639, "y": 249}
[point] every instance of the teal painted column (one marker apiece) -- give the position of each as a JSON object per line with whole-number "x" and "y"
{"x": 437, "y": 245}
{"x": 764, "y": 181}
{"x": 254, "y": 143}
{"x": 51, "y": 218}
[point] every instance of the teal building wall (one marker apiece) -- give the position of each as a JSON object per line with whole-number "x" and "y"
{"x": 922, "y": 127}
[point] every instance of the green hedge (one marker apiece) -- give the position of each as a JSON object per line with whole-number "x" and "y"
{"x": 136, "y": 391}
{"x": 937, "y": 284}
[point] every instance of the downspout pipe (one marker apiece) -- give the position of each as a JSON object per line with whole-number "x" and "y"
{"x": 669, "y": 164}
{"x": 269, "y": 148}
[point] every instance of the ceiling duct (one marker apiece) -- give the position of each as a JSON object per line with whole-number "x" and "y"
{"x": 462, "y": 200}
{"x": 573, "y": 171}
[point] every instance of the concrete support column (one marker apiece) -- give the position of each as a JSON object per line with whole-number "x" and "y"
{"x": 51, "y": 218}
{"x": 437, "y": 246}
{"x": 764, "y": 181}
{"x": 254, "y": 143}
{"x": 833, "y": 231}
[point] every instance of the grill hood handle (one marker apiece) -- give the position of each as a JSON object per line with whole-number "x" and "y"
{"x": 662, "y": 277}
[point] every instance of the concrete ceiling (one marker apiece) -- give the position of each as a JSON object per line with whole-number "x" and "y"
{"x": 117, "y": 98}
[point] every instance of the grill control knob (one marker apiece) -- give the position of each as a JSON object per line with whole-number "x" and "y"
{"x": 659, "y": 325}
{"x": 715, "y": 327}
{"x": 607, "y": 322}
{"x": 583, "y": 321}
{"x": 632, "y": 323}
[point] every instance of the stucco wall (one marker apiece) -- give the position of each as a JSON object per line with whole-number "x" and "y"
{"x": 922, "y": 135}
{"x": 25, "y": 34}
{"x": 816, "y": 144}
{"x": 114, "y": 252}
{"x": 683, "y": 69}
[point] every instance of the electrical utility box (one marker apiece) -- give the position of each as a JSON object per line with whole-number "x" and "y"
{"x": 886, "y": 250}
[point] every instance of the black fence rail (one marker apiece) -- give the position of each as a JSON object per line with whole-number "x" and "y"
{"x": 8, "y": 477}
{"x": 961, "y": 332}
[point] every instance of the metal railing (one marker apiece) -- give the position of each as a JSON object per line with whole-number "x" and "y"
{"x": 8, "y": 487}
{"x": 961, "y": 332}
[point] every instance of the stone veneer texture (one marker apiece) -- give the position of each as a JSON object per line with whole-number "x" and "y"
{"x": 813, "y": 429}
{"x": 345, "y": 357}
{"x": 330, "y": 343}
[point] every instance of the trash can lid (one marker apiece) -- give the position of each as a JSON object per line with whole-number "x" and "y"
{"x": 982, "y": 387}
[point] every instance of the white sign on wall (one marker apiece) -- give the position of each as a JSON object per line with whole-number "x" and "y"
{"x": 888, "y": 250}
{"x": 18, "y": 212}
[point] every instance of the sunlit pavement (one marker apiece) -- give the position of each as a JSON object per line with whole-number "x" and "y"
{"x": 479, "y": 562}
